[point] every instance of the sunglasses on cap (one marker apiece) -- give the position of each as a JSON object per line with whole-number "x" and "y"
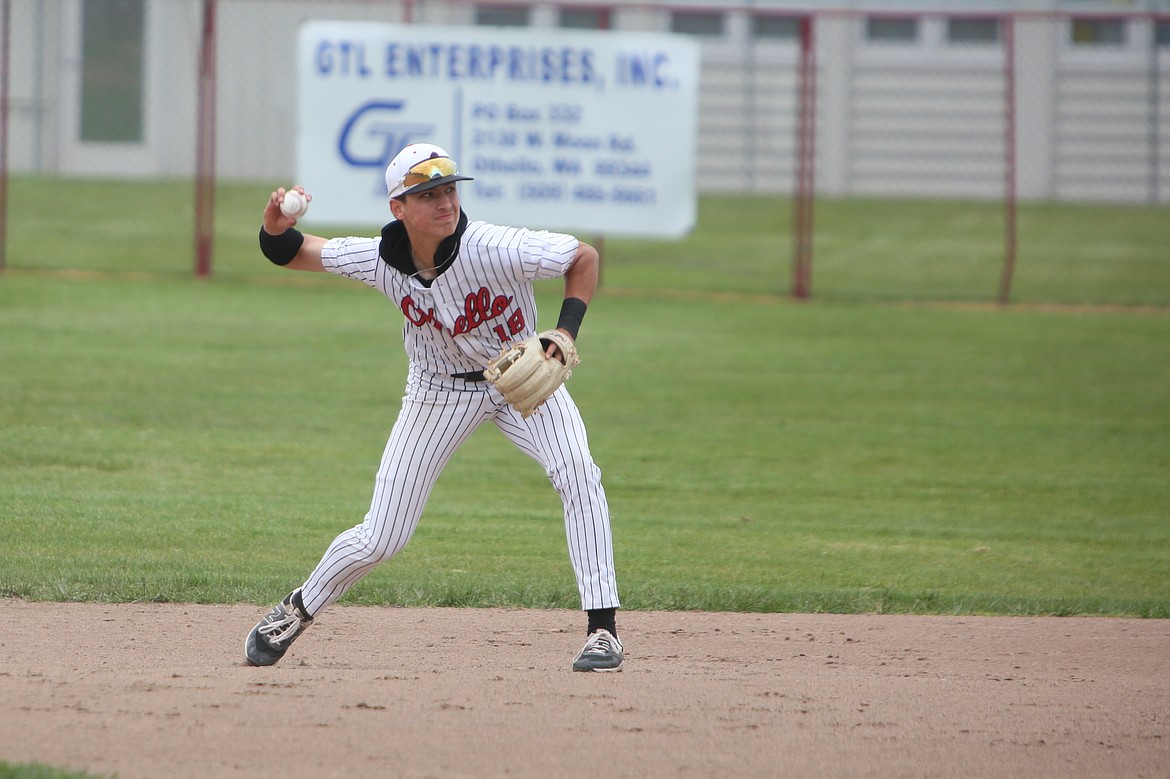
{"x": 429, "y": 169}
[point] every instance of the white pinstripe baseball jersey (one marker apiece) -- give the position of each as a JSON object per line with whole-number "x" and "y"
{"x": 481, "y": 298}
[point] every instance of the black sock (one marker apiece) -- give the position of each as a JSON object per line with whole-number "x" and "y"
{"x": 602, "y": 619}
{"x": 299, "y": 604}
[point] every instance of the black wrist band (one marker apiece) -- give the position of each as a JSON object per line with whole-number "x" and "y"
{"x": 281, "y": 249}
{"x": 572, "y": 312}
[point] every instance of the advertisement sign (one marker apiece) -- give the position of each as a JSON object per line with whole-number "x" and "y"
{"x": 565, "y": 130}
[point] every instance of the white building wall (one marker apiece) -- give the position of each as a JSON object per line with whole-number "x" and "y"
{"x": 909, "y": 119}
{"x": 1104, "y": 110}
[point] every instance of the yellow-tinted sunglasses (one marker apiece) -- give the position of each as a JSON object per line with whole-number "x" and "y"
{"x": 433, "y": 168}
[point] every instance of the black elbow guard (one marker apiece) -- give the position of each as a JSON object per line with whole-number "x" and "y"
{"x": 281, "y": 249}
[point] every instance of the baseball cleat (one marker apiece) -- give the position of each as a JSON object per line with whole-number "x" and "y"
{"x": 273, "y": 635}
{"x": 602, "y": 652}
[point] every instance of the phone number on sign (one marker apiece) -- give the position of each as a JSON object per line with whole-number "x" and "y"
{"x": 589, "y": 193}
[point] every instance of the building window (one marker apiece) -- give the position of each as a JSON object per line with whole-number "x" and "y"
{"x": 1103, "y": 32}
{"x": 776, "y": 27}
{"x": 585, "y": 18}
{"x": 501, "y": 17}
{"x": 960, "y": 30}
{"x": 891, "y": 29}
{"x": 1162, "y": 33}
{"x": 111, "y": 70}
{"x": 696, "y": 23}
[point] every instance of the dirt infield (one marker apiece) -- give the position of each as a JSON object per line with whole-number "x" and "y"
{"x": 149, "y": 691}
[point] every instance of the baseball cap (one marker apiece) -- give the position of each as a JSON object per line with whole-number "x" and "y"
{"x": 419, "y": 167}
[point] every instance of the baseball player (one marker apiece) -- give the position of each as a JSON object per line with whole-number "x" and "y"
{"x": 465, "y": 291}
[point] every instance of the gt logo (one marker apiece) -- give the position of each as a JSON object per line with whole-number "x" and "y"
{"x": 370, "y": 137}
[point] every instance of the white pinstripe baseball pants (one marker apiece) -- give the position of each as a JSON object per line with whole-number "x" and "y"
{"x": 437, "y": 417}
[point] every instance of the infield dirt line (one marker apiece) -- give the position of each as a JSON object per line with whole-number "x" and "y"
{"x": 160, "y": 690}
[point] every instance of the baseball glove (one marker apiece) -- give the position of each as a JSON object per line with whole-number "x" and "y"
{"x": 526, "y": 377}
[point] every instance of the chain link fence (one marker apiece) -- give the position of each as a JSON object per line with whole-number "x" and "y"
{"x": 953, "y": 155}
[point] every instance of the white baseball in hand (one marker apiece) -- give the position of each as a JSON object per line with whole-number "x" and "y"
{"x": 294, "y": 204}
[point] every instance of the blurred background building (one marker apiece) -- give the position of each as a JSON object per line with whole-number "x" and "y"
{"x": 928, "y": 98}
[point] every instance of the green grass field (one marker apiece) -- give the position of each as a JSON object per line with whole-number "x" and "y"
{"x": 39, "y": 771}
{"x": 164, "y": 438}
{"x": 865, "y": 250}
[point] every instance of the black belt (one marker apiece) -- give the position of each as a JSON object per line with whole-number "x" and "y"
{"x": 472, "y": 376}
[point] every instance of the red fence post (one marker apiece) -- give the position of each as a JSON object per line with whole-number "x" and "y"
{"x": 802, "y": 215}
{"x": 5, "y": 41}
{"x": 205, "y": 145}
{"x": 1009, "y": 162}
